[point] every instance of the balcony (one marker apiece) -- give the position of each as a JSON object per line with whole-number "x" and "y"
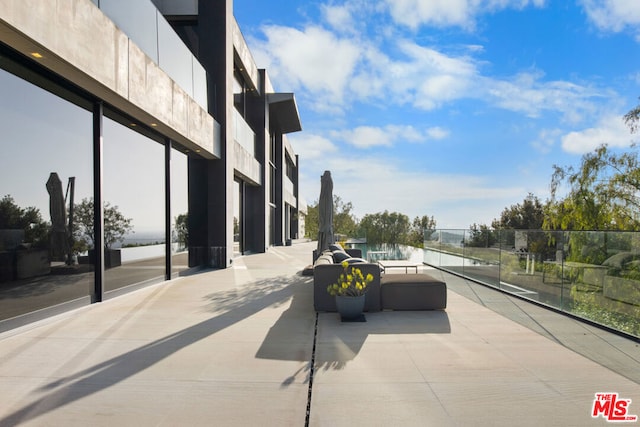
{"x": 243, "y": 134}
{"x": 244, "y": 150}
{"x": 147, "y": 27}
{"x": 243, "y": 346}
{"x": 289, "y": 191}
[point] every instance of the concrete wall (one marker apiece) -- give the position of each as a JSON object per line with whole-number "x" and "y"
{"x": 244, "y": 57}
{"x": 79, "y": 42}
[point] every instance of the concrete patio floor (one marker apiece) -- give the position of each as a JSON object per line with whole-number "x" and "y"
{"x": 234, "y": 347}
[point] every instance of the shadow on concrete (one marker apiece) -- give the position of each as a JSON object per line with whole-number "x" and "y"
{"x": 337, "y": 343}
{"x": 230, "y": 307}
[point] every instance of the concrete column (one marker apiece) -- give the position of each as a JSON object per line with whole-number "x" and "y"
{"x": 211, "y": 181}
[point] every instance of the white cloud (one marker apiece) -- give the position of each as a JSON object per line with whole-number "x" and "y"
{"x": 314, "y": 58}
{"x": 444, "y": 13}
{"x": 375, "y": 185}
{"x": 312, "y": 147}
{"x": 338, "y": 17}
{"x": 369, "y": 136}
{"x": 528, "y": 93}
{"x": 331, "y": 73}
{"x": 613, "y": 15}
{"x": 546, "y": 140}
{"x": 437, "y": 133}
{"x": 429, "y": 78}
{"x": 611, "y": 131}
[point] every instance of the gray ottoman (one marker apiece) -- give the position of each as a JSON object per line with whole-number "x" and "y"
{"x": 412, "y": 292}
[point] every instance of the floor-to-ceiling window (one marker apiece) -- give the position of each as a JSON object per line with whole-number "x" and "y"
{"x": 179, "y": 211}
{"x": 46, "y": 162}
{"x": 47, "y": 249}
{"x": 238, "y": 216}
{"x": 134, "y": 203}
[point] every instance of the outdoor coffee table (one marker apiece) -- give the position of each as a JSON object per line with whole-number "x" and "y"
{"x": 403, "y": 263}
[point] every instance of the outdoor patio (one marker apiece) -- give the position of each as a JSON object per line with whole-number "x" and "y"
{"x": 239, "y": 346}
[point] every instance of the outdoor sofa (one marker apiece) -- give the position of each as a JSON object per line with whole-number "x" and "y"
{"x": 386, "y": 291}
{"x": 327, "y": 268}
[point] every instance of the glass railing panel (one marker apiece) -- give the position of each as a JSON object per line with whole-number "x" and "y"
{"x": 243, "y": 134}
{"x": 138, "y": 20}
{"x": 602, "y": 278}
{"x": 482, "y": 256}
{"x": 174, "y": 57}
{"x": 531, "y": 267}
{"x": 149, "y": 30}
{"x": 452, "y": 250}
{"x": 199, "y": 83}
{"x": 594, "y": 275}
{"x": 288, "y": 185}
{"x": 431, "y": 255}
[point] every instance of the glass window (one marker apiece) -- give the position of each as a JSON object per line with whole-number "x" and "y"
{"x": 134, "y": 202}
{"x": 239, "y": 93}
{"x": 46, "y": 143}
{"x": 179, "y": 211}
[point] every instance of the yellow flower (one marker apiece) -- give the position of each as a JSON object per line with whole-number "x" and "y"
{"x": 344, "y": 264}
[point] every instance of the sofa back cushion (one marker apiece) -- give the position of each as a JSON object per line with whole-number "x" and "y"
{"x": 339, "y": 256}
{"x": 336, "y": 247}
{"x": 325, "y": 258}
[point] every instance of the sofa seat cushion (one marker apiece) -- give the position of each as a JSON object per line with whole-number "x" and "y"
{"x": 412, "y": 292}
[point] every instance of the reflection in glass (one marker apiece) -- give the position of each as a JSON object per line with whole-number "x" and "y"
{"x": 179, "y": 212}
{"x": 133, "y": 185}
{"x": 594, "y": 275}
{"x": 46, "y": 161}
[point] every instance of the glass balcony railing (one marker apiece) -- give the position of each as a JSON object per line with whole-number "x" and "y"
{"x": 151, "y": 32}
{"x": 243, "y": 134}
{"x": 594, "y": 275}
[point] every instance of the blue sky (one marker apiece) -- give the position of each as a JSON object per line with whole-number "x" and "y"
{"x": 449, "y": 108}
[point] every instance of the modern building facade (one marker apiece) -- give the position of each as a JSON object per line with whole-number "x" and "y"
{"x": 139, "y": 122}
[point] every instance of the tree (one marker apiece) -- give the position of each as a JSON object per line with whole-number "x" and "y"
{"x": 603, "y": 193}
{"x": 526, "y": 216}
{"x": 481, "y": 236}
{"x": 312, "y": 221}
{"x": 632, "y": 119}
{"x": 344, "y": 222}
{"x": 390, "y": 228}
{"x": 116, "y": 226}
{"x": 12, "y": 216}
{"x": 182, "y": 229}
{"x": 418, "y": 228}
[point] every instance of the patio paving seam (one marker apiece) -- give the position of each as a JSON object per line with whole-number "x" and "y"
{"x": 312, "y": 364}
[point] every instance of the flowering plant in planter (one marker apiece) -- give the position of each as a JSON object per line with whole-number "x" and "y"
{"x": 351, "y": 282}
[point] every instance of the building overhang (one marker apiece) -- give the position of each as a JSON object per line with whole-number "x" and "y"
{"x": 283, "y": 110}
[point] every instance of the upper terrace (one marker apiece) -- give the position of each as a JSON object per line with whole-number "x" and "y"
{"x": 243, "y": 346}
